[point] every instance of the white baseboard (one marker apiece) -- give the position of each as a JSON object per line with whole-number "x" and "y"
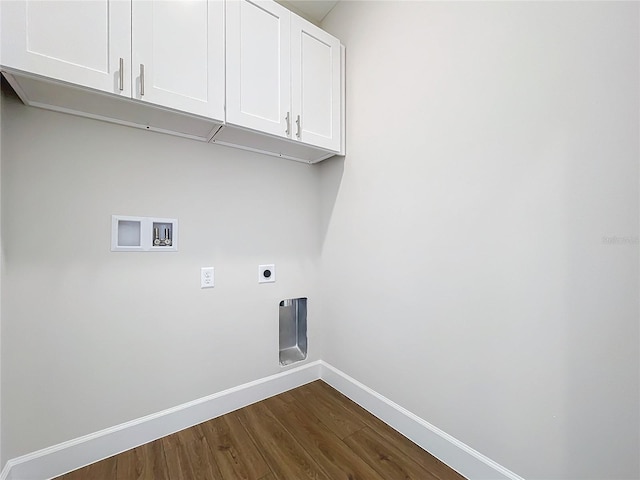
{"x": 6, "y": 472}
{"x": 65, "y": 457}
{"x": 459, "y": 456}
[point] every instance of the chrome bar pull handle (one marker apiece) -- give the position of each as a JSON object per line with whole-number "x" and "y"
{"x": 141, "y": 79}
{"x": 121, "y": 76}
{"x": 288, "y": 119}
{"x": 298, "y": 127}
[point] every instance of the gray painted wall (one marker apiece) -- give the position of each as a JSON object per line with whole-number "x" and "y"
{"x": 479, "y": 260}
{"x": 1, "y": 275}
{"x": 468, "y": 236}
{"x": 92, "y": 338}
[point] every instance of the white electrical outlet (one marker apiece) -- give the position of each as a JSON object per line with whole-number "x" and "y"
{"x": 206, "y": 277}
{"x": 266, "y": 273}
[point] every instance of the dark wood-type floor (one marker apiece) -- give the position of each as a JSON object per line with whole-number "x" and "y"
{"x": 312, "y": 432}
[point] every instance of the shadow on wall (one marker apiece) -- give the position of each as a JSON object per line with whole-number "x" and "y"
{"x": 331, "y": 171}
{"x": 6, "y": 88}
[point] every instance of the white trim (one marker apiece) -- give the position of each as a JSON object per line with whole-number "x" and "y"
{"x": 67, "y": 456}
{"x": 117, "y": 121}
{"x": 456, "y": 454}
{"x": 6, "y": 472}
{"x": 272, "y": 154}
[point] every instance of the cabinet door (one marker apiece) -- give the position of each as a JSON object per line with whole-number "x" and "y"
{"x": 178, "y": 55}
{"x": 84, "y": 43}
{"x": 315, "y": 85}
{"x": 258, "y": 66}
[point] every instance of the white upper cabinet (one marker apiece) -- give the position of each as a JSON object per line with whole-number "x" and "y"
{"x": 283, "y": 74}
{"x": 258, "y": 66}
{"x": 166, "y": 52}
{"x": 87, "y": 43}
{"x": 244, "y": 73}
{"x": 315, "y": 85}
{"x": 178, "y": 55}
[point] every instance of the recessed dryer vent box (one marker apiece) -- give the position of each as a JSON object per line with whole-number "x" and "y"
{"x": 143, "y": 234}
{"x": 293, "y": 330}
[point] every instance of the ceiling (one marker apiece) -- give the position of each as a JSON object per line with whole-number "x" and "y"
{"x": 312, "y": 10}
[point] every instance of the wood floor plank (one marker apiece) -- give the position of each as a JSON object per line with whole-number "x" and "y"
{"x": 336, "y": 458}
{"x": 287, "y": 397}
{"x": 338, "y": 421}
{"x": 386, "y": 459}
{"x": 234, "y": 451}
{"x": 129, "y": 465}
{"x": 146, "y": 462}
{"x": 102, "y": 470}
{"x": 285, "y": 457}
{"x": 189, "y": 457}
{"x": 417, "y": 454}
{"x": 310, "y": 433}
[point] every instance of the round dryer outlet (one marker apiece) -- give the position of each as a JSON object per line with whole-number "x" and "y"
{"x": 266, "y": 273}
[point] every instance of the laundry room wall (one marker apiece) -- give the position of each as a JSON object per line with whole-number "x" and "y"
{"x": 480, "y": 240}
